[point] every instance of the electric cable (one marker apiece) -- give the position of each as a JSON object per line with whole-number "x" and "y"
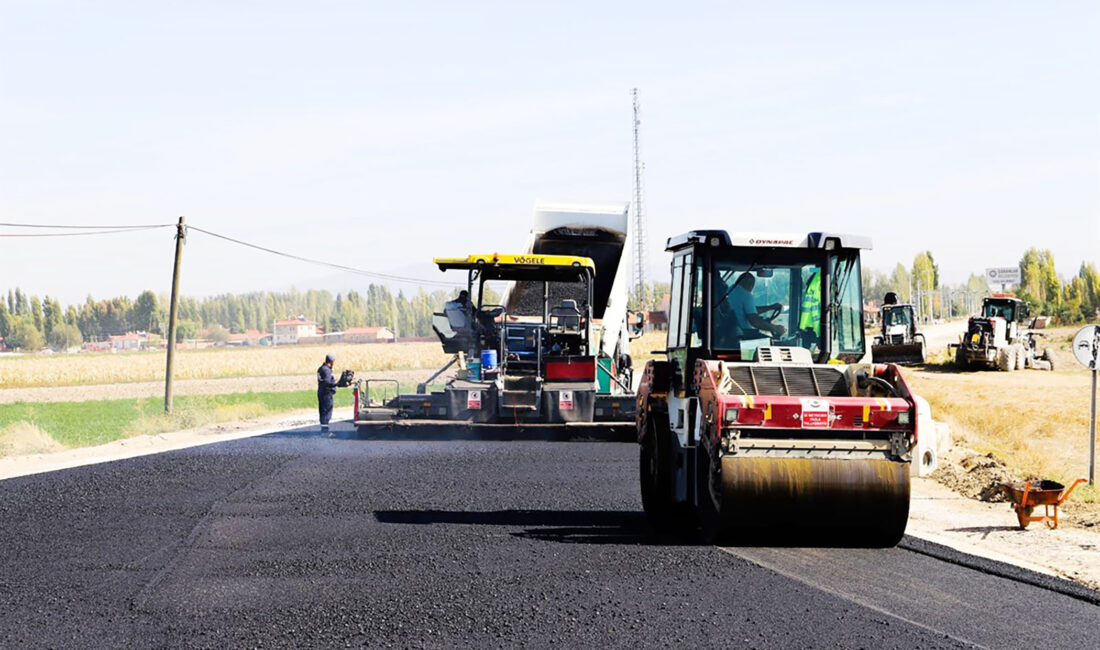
{"x": 112, "y": 231}
{"x": 339, "y": 267}
{"x": 71, "y": 227}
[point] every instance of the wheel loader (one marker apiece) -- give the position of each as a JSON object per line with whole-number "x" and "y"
{"x": 1004, "y": 336}
{"x": 765, "y": 418}
{"x": 899, "y": 340}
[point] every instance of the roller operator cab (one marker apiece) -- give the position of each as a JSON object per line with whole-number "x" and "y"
{"x": 766, "y": 416}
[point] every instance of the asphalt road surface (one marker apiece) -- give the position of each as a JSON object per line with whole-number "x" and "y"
{"x": 293, "y": 539}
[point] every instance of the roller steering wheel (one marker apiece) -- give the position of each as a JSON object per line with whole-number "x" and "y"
{"x": 771, "y": 313}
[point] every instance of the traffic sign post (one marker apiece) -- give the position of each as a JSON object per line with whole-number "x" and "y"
{"x": 1003, "y": 275}
{"x": 1086, "y": 348}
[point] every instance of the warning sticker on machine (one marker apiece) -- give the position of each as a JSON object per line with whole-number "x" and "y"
{"x": 815, "y": 414}
{"x": 473, "y": 400}
{"x": 565, "y": 400}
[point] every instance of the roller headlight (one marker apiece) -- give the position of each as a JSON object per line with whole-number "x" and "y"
{"x": 731, "y": 415}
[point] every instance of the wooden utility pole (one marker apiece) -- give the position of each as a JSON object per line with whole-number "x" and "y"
{"x": 172, "y": 310}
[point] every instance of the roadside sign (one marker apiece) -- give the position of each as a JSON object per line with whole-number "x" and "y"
{"x": 1086, "y": 346}
{"x": 1003, "y": 275}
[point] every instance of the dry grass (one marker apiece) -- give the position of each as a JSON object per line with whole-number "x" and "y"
{"x": 1035, "y": 421}
{"x": 650, "y": 345}
{"x": 23, "y": 438}
{"x": 87, "y": 369}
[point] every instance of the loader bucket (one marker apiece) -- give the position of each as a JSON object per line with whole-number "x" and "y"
{"x": 898, "y": 353}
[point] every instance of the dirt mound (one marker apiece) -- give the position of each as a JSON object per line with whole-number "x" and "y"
{"x": 978, "y": 476}
{"x": 21, "y": 439}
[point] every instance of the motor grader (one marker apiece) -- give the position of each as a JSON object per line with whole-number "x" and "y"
{"x": 1003, "y": 336}
{"x": 765, "y": 416}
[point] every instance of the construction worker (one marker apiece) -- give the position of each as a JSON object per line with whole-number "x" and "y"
{"x": 810, "y": 318}
{"x": 326, "y": 389}
{"x": 747, "y": 313}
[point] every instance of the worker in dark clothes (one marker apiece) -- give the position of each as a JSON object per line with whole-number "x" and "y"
{"x": 326, "y": 389}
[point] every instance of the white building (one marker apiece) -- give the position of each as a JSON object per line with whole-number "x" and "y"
{"x": 287, "y": 332}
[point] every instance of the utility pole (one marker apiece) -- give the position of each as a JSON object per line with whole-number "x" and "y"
{"x": 639, "y": 212}
{"x": 393, "y": 302}
{"x": 181, "y": 233}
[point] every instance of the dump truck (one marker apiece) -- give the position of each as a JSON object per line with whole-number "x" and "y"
{"x": 899, "y": 341}
{"x": 765, "y": 416}
{"x": 518, "y": 370}
{"x": 1004, "y": 336}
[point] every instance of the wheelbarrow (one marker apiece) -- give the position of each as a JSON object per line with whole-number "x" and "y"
{"x": 1026, "y": 495}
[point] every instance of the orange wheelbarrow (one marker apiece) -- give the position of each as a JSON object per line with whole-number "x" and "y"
{"x": 1026, "y": 495}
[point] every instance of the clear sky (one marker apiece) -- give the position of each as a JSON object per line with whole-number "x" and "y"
{"x": 381, "y": 134}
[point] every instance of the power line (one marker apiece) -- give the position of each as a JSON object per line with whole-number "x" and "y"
{"x": 331, "y": 265}
{"x": 112, "y": 231}
{"x": 125, "y": 227}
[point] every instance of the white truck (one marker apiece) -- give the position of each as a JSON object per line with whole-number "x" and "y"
{"x": 601, "y": 232}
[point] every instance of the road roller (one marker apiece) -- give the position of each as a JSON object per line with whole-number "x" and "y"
{"x": 765, "y": 421}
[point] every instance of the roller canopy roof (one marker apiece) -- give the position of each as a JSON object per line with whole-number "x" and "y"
{"x": 722, "y": 238}
{"x": 522, "y": 267}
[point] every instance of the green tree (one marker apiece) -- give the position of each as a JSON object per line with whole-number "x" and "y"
{"x": 900, "y": 283}
{"x": 36, "y": 312}
{"x": 143, "y": 316}
{"x": 216, "y": 333}
{"x": 24, "y": 335}
{"x": 186, "y": 329}
{"x": 51, "y": 316}
{"x": 65, "y": 336}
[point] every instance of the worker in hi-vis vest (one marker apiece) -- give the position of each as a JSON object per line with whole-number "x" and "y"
{"x": 810, "y": 319}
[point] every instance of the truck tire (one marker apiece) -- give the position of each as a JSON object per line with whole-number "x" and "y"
{"x": 960, "y": 359}
{"x": 1048, "y": 356}
{"x": 713, "y": 526}
{"x": 665, "y": 516}
{"x": 1006, "y": 359}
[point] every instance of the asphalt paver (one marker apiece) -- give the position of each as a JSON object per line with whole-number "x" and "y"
{"x": 294, "y": 539}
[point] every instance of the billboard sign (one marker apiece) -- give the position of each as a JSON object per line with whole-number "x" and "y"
{"x": 1003, "y": 275}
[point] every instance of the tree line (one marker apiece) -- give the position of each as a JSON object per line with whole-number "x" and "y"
{"x": 32, "y": 323}
{"x": 1071, "y": 300}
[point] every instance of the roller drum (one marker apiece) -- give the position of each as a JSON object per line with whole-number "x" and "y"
{"x": 812, "y": 500}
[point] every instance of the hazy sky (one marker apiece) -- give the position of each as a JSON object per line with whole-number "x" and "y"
{"x": 381, "y": 134}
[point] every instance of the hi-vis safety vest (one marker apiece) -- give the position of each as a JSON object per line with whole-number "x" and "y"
{"x": 811, "y": 305}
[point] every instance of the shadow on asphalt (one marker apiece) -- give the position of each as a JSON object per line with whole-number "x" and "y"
{"x": 623, "y": 527}
{"x": 984, "y": 529}
{"x": 562, "y": 526}
{"x": 434, "y": 432}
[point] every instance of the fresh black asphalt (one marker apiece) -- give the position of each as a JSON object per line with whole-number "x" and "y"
{"x": 292, "y": 540}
